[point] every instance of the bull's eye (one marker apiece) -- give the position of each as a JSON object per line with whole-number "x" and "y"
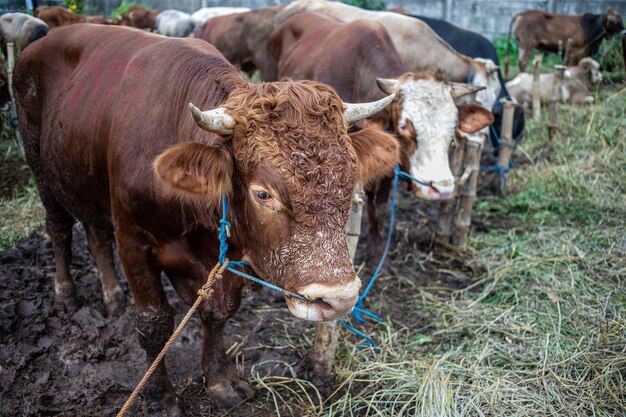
{"x": 262, "y": 195}
{"x": 265, "y": 199}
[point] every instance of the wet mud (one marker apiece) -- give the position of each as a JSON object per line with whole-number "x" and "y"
{"x": 86, "y": 364}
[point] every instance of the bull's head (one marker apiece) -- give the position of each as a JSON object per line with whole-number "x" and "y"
{"x": 289, "y": 167}
{"x": 591, "y": 69}
{"x": 425, "y": 118}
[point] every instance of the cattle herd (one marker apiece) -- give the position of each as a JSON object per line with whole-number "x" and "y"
{"x": 139, "y": 136}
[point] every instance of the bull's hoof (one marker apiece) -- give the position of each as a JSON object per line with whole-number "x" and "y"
{"x": 227, "y": 393}
{"x": 115, "y": 303}
{"x": 165, "y": 406}
{"x": 65, "y": 301}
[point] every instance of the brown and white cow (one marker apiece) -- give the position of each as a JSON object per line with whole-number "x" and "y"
{"x": 112, "y": 144}
{"x": 56, "y": 16}
{"x": 353, "y": 57}
{"x": 536, "y": 29}
{"x": 419, "y": 47}
{"x": 21, "y": 29}
{"x": 577, "y": 83}
{"x": 242, "y": 37}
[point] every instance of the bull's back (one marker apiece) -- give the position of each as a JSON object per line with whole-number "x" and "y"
{"x": 94, "y": 103}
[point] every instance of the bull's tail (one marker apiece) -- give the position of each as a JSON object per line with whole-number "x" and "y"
{"x": 507, "y": 59}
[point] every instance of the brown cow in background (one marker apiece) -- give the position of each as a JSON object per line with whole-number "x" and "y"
{"x": 139, "y": 17}
{"x": 56, "y": 16}
{"x": 242, "y": 37}
{"x": 540, "y": 30}
{"x": 112, "y": 143}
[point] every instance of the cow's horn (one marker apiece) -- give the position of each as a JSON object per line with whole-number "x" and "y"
{"x": 216, "y": 120}
{"x": 353, "y": 112}
{"x": 462, "y": 89}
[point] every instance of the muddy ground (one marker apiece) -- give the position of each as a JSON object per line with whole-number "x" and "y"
{"x": 85, "y": 364}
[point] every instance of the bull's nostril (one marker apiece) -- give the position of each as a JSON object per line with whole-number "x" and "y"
{"x": 319, "y": 300}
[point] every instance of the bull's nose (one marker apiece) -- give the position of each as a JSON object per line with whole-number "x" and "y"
{"x": 329, "y": 302}
{"x": 444, "y": 189}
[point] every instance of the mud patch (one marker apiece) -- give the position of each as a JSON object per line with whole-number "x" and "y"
{"x": 85, "y": 364}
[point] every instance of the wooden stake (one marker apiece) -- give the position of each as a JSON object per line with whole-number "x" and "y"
{"x": 568, "y": 51}
{"x": 506, "y": 141}
{"x": 555, "y": 99}
{"x": 13, "y": 110}
{"x": 473, "y": 150}
{"x": 537, "y": 88}
{"x": 443, "y": 233}
{"x": 322, "y": 354}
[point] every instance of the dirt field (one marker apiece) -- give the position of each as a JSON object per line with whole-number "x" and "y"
{"x": 528, "y": 320}
{"x": 80, "y": 364}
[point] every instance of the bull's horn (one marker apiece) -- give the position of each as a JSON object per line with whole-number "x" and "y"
{"x": 462, "y": 89}
{"x": 353, "y": 112}
{"x": 216, "y": 120}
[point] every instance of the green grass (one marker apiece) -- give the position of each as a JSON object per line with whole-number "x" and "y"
{"x": 539, "y": 330}
{"x": 609, "y": 57}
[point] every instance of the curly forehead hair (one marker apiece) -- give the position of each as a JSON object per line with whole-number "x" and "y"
{"x": 298, "y": 128}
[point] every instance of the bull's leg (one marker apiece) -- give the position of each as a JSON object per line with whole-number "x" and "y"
{"x": 59, "y": 226}
{"x": 523, "y": 56}
{"x": 100, "y": 242}
{"x": 155, "y": 321}
{"x": 225, "y": 387}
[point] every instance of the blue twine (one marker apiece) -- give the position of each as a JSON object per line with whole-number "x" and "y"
{"x": 396, "y": 176}
{"x": 469, "y": 73}
{"x": 223, "y": 238}
{"x": 501, "y": 172}
{"x": 494, "y": 138}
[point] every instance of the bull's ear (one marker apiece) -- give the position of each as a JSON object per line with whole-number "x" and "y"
{"x": 194, "y": 170}
{"x": 473, "y": 117}
{"x": 377, "y": 153}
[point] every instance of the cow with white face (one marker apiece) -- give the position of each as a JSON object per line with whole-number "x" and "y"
{"x": 423, "y": 115}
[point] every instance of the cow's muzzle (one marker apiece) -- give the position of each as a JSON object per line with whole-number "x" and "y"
{"x": 327, "y": 302}
{"x": 440, "y": 190}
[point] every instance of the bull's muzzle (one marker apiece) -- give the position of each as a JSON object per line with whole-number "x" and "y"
{"x": 328, "y": 302}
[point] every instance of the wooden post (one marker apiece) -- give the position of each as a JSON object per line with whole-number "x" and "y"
{"x": 13, "y": 110}
{"x": 568, "y": 51}
{"x": 555, "y": 99}
{"x": 506, "y": 141}
{"x": 537, "y": 88}
{"x": 322, "y": 355}
{"x": 443, "y": 233}
{"x": 473, "y": 150}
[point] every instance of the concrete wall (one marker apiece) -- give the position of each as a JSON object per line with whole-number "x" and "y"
{"x": 492, "y": 17}
{"x": 488, "y": 17}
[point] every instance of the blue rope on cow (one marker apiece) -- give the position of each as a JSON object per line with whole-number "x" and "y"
{"x": 469, "y": 73}
{"x": 223, "y": 233}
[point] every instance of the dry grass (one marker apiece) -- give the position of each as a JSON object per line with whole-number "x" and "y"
{"x": 541, "y": 332}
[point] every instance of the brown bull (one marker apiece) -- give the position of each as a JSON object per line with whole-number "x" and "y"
{"x": 353, "y": 57}
{"x": 536, "y": 29}
{"x": 242, "y": 37}
{"x": 419, "y": 47}
{"x": 112, "y": 144}
{"x": 56, "y": 16}
{"x": 139, "y": 17}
